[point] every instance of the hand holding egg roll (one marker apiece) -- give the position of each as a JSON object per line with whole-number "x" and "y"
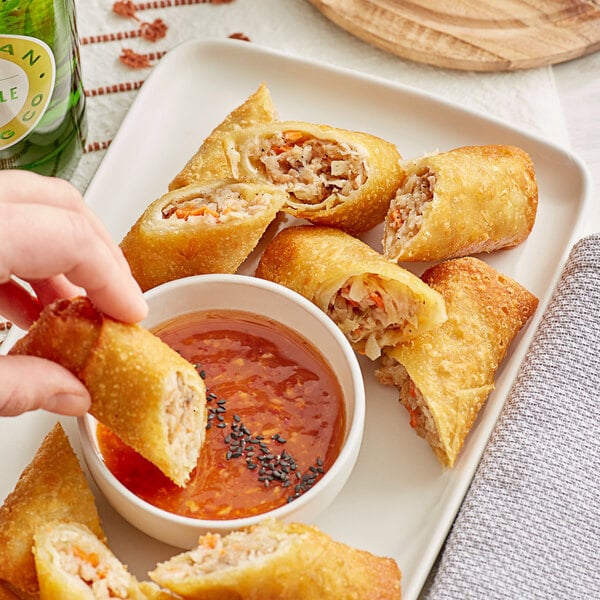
{"x": 141, "y": 389}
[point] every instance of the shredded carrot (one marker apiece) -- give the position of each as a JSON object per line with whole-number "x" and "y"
{"x": 292, "y": 138}
{"x": 185, "y": 213}
{"x": 377, "y": 299}
{"x": 415, "y": 417}
{"x": 396, "y": 218}
{"x": 89, "y": 557}
{"x": 412, "y": 390}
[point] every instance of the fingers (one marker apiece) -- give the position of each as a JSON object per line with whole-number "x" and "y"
{"x": 30, "y": 383}
{"x": 41, "y": 241}
{"x": 30, "y": 188}
{"x": 18, "y": 305}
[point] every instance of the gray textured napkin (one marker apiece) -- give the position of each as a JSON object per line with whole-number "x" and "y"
{"x": 529, "y": 526}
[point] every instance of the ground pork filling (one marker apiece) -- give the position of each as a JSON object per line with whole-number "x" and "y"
{"x": 184, "y": 422}
{"x": 105, "y": 577}
{"x": 410, "y": 204}
{"x": 216, "y": 206}
{"x": 215, "y": 552}
{"x": 366, "y": 310}
{"x": 391, "y": 372}
{"x": 314, "y": 171}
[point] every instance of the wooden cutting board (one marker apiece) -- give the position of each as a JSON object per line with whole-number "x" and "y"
{"x": 477, "y": 35}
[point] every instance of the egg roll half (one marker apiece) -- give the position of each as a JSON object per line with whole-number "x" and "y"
{"x": 52, "y": 487}
{"x": 445, "y": 375}
{"x": 73, "y": 564}
{"x": 280, "y": 561}
{"x": 333, "y": 177}
{"x": 375, "y": 302}
{"x": 145, "y": 392}
{"x": 209, "y": 161}
{"x": 200, "y": 228}
{"x": 465, "y": 201}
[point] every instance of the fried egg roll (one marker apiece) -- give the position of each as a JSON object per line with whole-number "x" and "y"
{"x": 276, "y": 560}
{"x": 52, "y": 487}
{"x": 209, "y": 161}
{"x": 445, "y": 375}
{"x": 73, "y": 564}
{"x": 141, "y": 389}
{"x": 465, "y": 201}
{"x": 200, "y": 228}
{"x": 375, "y": 302}
{"x": 333, "y": 177}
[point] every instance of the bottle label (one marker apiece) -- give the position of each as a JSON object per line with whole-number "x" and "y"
{"x": 27, "y": 74}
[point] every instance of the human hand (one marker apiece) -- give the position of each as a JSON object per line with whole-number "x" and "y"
{"x": 50, "y": 239}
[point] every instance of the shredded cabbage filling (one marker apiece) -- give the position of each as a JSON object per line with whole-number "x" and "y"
{"x": 216, "y": 206}
{"x": 366, "y": 311}
{"x": 310, "y": 169}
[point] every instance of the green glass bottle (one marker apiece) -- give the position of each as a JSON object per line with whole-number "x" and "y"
{"x": 42, "y": 102}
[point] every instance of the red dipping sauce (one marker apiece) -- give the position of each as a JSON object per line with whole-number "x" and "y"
{"x": 276, "y": 419}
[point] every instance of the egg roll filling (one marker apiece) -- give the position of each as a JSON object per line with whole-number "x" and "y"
{"x": 104, "y": 575}
{"x": 366, "y": 309}
{"x": 216, "y": 206}
{"x": 411, "y": 203}
{"x": 183, "y": 434}
{"x": 391, "y": 372}
{"x": 239, "y": 548}
{"x": 316, "y": 172}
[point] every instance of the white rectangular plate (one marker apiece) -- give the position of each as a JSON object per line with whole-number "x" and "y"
{"x": 399, "y": 501}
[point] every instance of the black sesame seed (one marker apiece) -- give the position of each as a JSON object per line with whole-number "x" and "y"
{"x": 221, "y": 425}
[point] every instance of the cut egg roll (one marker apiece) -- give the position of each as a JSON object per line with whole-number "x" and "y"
{"x": 275, "y": 560}
{"x": 332, "y": 176}
{"x": 73, "y": 564}
{"x": 141, "y": 389}
{"x": 466, "y": 201}
{"x": 52, "y": 487}
{"x": 209, "y": 161}
{"x": 201, "y": 228}
{"x": 375, "y": 302}
{"x": 445, "y": 375}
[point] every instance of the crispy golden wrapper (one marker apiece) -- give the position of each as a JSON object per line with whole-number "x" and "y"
{"x": 6, "y": 594}
{"x": 73, "y": 564}
{"x": 52, "y": 487}
{"x": 375, "y": 302}
{"x": 153, "y": 592}
{"x": 141, "y": 389}
{"x": 445, "y": 375}
{"x": 465, "y": 201}
{"x": 279, "y": 561}
{"x": 209, "y": 161}
{"x": 201, "y": 228}
{"x": 333, "y": 176}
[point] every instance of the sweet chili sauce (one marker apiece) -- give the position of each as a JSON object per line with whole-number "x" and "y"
{"x": 276, "y": 419}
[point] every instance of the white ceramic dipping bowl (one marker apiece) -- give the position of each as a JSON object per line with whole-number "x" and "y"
{"x": 279, "y": 304}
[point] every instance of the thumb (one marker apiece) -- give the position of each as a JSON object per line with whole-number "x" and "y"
{"x": 29, "y": 383}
